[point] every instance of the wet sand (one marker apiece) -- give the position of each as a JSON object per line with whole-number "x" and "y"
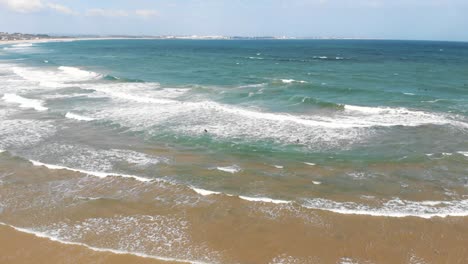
{"x": 20, "y": 247}
{"x": 166, "y": 220}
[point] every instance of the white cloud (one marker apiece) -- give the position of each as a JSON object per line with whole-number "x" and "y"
{"x": 61, "y": 9}
{"x": 106, "y": 12}
{"x": 146, "y": 13}
{"x": 23, "y": 6}
{"x": 29, "y": 6}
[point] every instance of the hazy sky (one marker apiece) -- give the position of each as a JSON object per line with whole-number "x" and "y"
{"x": 391, "y": 19}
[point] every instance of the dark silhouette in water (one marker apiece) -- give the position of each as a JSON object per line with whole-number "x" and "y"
{"x": 206, "y": 131}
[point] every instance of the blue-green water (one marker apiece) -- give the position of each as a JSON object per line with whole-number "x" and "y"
{"x": 322, "y": 123}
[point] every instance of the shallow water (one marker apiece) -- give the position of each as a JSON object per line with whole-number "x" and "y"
{"x": 161, "y": 147}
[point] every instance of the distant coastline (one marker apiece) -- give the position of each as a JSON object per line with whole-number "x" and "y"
{"x": 6, "y": 38}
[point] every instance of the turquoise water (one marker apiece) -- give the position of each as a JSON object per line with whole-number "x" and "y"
{"x": 320, "y": 122}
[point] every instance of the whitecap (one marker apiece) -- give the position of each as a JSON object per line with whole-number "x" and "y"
{"x": 231, "y": 169}
{"x": 264, "y": 200}
{"x": 257, "y": 85}
{"x": 97, "y": 249}
{"x": 59, "y": 77}
{"x": 291, "y": 81}
{"x": 24, "y": 102}
{"x": 203, "y": 191}
{"x": 23, "y": 45}
{"x": 92, "y": 173}
{"x": 393, "y": 208}
{"x": 78, "y": 117}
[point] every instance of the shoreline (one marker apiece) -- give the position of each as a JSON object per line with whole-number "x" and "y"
{"x": 6, "y": 42}
{"x": 16, "y": 241}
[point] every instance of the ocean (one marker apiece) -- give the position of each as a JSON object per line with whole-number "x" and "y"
{"x": 203, "y": 150}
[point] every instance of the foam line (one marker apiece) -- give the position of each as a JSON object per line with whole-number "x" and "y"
{"x": 78, "y": 117}
{"x": 105, "y": 250}
{"x": 24, "y": 102}
{"x": 93, "y": 173}
{"x": 264, "y": 200}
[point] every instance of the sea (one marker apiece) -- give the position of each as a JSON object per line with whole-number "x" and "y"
{"x": 235, "y": 151}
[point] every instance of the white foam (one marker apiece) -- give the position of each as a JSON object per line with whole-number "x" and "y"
{"x": 91, "y": 159}
{"x": 278, "y": 166}
{"x": 92, "y": 173}
{"x": 316, "y": 182}
{"x": 433, "y": 101}
{"x": 147, "y": 93}
{"x": 24, "y": 102}
{"x": 19, "y": 133}
{"x": 291, "y": 81}
{"x": 253, "y": 85}
{"x": 107, "y": 250}
{"x": 60, "y": 77}
{"x": 264, "y": 200}
{"x": 394, "y": 208}
{"x": 23, "y": 45}
{"x": 204, "y": 192}
{"x": 408, "y": 93}
{"x": 310, "y": 164}
{"x": 78, "y": 117}
{"x": 464, "y": 153}
{"x": 231, "y": 169}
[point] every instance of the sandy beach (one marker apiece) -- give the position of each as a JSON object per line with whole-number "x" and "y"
{"x": 20, "y": 247}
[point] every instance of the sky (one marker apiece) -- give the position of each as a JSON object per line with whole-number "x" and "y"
{"x": 386, "y": 19}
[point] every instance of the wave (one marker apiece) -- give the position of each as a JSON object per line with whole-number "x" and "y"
{"x": 23, "y": 45}
{"x": 148, "y": 93}
{"x": 323, "y": 130}
{"x": 92, "y": 173}
{"x": 264, "y": 200}
{"x": 315, "y": 102}
{"x": 231, "y": 169}
{"x": 97, "y": 249}
{"x": 374, "y": 116}
{"x": 394, "y": 208}
{"x": 391, "y": 208}
{"x": 19, "y": 47}
{"x": 291, "y": 81}
{"x": 435, "y": 101}
{"x": 24, "y": 102}
{"x": 258, "y": 85}
{"x": 63, "y": 76}
{"x": 78, "y": 117}
{"x": 119, "y": 79}
{"x": 246, "y": 198}
{"x": 204, "y": 192}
